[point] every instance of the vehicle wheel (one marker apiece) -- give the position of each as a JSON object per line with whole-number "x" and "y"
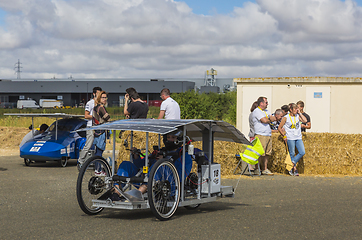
{"x": 192, "y": 207}
{"x": 63, "y": 162}
{"x": 163, "y": 189}
{"x": 90, "y": 185}
{"x": 27, "y": 161}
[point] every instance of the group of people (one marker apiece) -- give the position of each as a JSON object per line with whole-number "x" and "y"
{"x": 96, "y": 113}
{"x": 289, "y": 121}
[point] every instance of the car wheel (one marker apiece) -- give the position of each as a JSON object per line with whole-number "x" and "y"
{"x": 27, "y": 161}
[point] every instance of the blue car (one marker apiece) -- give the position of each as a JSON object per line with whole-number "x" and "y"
{"x": 59, "y": 142}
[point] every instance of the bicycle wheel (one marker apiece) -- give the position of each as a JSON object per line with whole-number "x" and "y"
{"x": 91, "y": 183}
{"x": 163, "y": 189}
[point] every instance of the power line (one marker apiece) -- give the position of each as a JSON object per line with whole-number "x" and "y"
{"x": 17, "y": 69}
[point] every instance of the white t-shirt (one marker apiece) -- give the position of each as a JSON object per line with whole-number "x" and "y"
{"x": 89, "y": 107}
{"x": 28, "y": 137}
{"x": 259, "y": 127}
{"x": 292, "y": 133}
{"x": 171, "y": 108}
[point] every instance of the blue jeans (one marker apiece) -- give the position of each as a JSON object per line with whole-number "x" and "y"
{"x": 292, "y": 144}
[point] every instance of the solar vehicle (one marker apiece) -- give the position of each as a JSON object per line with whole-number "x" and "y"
{"x": 168, "y": 187}
{"x": 58, "y": 143}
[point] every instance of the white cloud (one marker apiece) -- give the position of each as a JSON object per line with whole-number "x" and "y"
{"x": 163, "y": 38}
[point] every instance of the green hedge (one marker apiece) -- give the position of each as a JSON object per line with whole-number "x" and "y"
{"x": 207, "y": 105}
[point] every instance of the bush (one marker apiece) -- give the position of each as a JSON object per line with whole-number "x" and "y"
{"x": 207, "y": 105}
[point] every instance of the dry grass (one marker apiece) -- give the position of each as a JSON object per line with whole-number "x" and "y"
{"x": 326, "y": 153}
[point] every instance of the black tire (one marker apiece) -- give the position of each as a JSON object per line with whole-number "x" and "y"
{"x": 27, "y": 161}
{"x": 192, "y": 207}
{"x": 63, "y": 162}
{"x": 90, "y": 186}
{"x": 163, "y": 190}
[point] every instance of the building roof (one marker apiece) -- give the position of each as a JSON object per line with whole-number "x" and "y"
{"x": 340, "y": 80}
{"x": 84, "y": 86}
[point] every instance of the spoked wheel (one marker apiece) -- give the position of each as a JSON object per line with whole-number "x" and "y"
{"x": 27, "y": 161}
{"x": 63, "y": 162}
{"x": 91, "y": 183}
{"x": 164, "y": 189}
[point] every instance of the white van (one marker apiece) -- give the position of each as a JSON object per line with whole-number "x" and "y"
{"x": 50, "y": 103}
{"x": 27, "y": 104}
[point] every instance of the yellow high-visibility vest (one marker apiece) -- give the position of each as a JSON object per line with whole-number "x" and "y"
{"x": 252, "y": 153}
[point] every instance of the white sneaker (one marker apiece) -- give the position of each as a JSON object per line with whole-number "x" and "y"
{"x": 267, "y": 172}
{"x": 100, "y": 174}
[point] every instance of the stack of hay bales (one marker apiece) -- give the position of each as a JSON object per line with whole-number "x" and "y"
{"x": 224, "y": 152}
{"x": 326, "y": 153}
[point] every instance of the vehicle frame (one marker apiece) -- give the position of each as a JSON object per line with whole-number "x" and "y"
{"x": 92, "y": 190}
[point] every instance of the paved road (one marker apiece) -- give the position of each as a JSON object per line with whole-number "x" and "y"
{"x": 39, "y": 202}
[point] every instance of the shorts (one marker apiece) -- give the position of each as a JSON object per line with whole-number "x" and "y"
{"x": 266, "y": 142}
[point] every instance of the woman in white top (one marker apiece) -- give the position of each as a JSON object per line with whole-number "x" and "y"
{"x": 293, "y": 135}
{"x": 251, "y": 123}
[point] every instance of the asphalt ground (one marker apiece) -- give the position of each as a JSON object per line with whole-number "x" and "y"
{"x": 39, "y": 202}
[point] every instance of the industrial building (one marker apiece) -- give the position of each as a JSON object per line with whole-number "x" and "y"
{"x": 78, "y": 92}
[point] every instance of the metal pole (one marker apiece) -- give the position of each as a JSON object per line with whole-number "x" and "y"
{"x": 114, "y": 152}
{"x": 211, "y": 157}
{"x": 146, "y": 157}
{"x": 56, "y": 128}
{"x": 183, "y": 164}
{"x": 32, "y": 126}
{"x": 131, "y": 157}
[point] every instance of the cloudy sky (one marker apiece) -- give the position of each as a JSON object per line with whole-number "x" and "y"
{"x": 172, "y": 39}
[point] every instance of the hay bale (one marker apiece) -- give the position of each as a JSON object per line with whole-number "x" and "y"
{"x": 224, "y": 152}
{"x": 326, "y": 153}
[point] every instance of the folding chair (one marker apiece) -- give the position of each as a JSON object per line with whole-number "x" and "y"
{"x": 251, "y": 155}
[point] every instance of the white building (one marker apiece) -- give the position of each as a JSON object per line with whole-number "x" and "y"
{"x": 331, "y": 102}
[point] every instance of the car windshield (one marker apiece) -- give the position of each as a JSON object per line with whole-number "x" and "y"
{"x": 65, "y": 125}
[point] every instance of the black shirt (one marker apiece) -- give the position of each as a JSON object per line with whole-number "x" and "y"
{"x": 137, "y": 109}
{"x": 308, "y": 120}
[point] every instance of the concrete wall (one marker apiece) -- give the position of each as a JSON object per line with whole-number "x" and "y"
{"x": 330, "y": 102}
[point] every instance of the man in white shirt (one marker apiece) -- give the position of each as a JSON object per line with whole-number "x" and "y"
{"x": 88, "y": 115}
{"x": 169, "y": 107}
{"x": 262, "y": 118}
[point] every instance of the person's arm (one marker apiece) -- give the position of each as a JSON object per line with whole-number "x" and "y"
{"x": 87, "y": 115}
{"x": 162, "y": 114}
{"x": 281, "y": 129}
{"x": 308, "y": 125}
{"x": 125, "y": 109}
{"x": 302, "y": 118}
{"x": 265, "y": 120}
{"x": 272, "y": 118}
